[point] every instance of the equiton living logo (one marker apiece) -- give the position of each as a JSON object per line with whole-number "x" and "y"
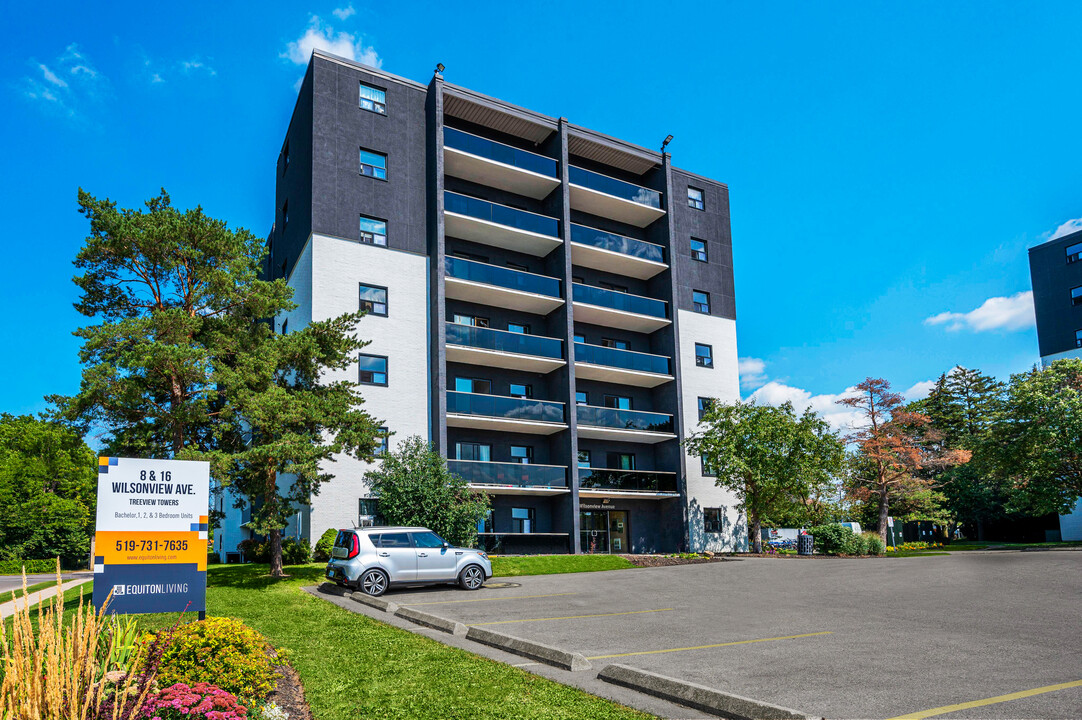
{"x": 154, "y": 589}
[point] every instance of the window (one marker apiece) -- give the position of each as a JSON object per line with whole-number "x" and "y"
{"x": 578, "y": 279}
{"x": 374, "y": 300}
{"x": 285, "y": 213}
{"x": 427, "y": 539}
{"x": 285, "y": 157}
{"x": 522, "y": 454}
{"x": 581, "y": 398}
{"x": 613, "y": 343}
{"x": 519, "y": 390}
{"x": 471, "y": 320}
{"x": 1078, "y": 338}
{"x": 516, "y": 266}
{"x": 698, "y": 250}
{"x": 285, "y": 326}
{"x": 580, "y": 338}
{"x": 701, "y": 301}
{"x": 473, "y": 451}
{"x": 617, "y": 401}
{"x": 373, "y": 99}
{"x": 470, "y": 256}
{"x": 614, "y": 288}
{"x": 473, "y": 385}
{"x": 707, "y": 470}
{"x": 381, "y": 442}
{"x": 368, "y": 510}
{"x": 1076, "y": 296}
{"x": 704, "y": 355}
{"x": 584, "y": 458}
{"x": 392, "y": 540}
{"x": 373, "y": 369}
{"x": 522, "y": 520}
{"x": 373, "y": 164}
{"x": 517, "y": 328}
{"x": 484, "y": 525}
{"x": 713, "y": 520}
{"x": 695, "y": 198}
{"x": 1074, "y": 253}
{"x": 704, "y": 406}
{"x": 373, "y": 231}
{"x": 622, "y": 461}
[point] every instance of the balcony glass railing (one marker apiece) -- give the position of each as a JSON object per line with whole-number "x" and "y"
{"x": 503, "y": 277}
{"x": 509, "y": 408}
{"x": 627, "y": 480}
{"x": 492, "y": 150}
{"x": 504, "y": 341}
{"x": 624, "y": 419}
{"x": 612, "y": 186}
{"x": 506, "y": 473}
{"x": 626, "y": 302}
{"x": 617, "y": 243}
{"x": 626, "y": 359}
{"x": 501, "y": 214}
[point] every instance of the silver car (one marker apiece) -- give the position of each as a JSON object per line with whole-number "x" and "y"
{"x": 372, "y": 559}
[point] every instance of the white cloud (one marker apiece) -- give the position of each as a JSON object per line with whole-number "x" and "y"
{"x": 998, "y": 313}
{"x": 919, "y": 391}
{"x": 841, "y": 418}
{"x": 66, "y": 82}
{"x": 1067, "y": 228}
{"x": 344, "y": 13}
{"x": 51, "y": 76}
{"x": 190, "y": 66}
{"x": 752, "y": 372}
{"x": 319, "y": 36}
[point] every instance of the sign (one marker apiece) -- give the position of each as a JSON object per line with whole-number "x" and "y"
{"x": 150, "y": 541}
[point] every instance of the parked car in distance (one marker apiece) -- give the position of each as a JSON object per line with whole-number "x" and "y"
{"x": 372, "y": 559}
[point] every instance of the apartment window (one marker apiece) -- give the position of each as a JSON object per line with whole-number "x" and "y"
{"x": 373, "y": 369}
{"x": 707, "y": 470}
{"x": 522, "y": 520}
{"x": 473, "y": 451}
{"x": 712, "y": 520}
{"x": 470, "y": 256}
{"x": 584, "y": 458}
{"x": 368, "y": 512}
{"x": 622, "y": 461}
{"x": 373, "y": 231}
{"x": 285, "y": 157}
{"x": 373, "y": 99}
{"x": 580, "y": 338}
{"x": 485, "y": 525}
{"x": 521, "y": 391}
{"x": 473, "y": 385}
{"x": 704, "y": 355}
{"x": 1074, "y": 253}
{"x": 618, "y": 402}
{"x": 285, "y": 326}
{"x": 578, "y": 279}
{"x": 516, "y": 266}
{"x": 614, "y": 288}
{"x": 471, "y": 320}
{"x": 613, "y": 343}
{"x": 581, "y": 398}
{"x": 285, "y": 213}
{"x": 701, "y": 301}
{"x": 373, "y": 164}
{"x": 1078, "y": 338}
{"x": 704, "y": 406}
{"x": 382, "y": 438}
{"x": 698, "y": 250}
{"x": 374, "y": 300}
{"x": 1076, "y": 296}
{"x": 518, "y": 328}
{"x": 695, "y": 198}
{"x": 522, "y": 454}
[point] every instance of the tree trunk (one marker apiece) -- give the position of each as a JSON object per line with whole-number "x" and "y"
{"x": 980, "y": 529}
{"x": 275, "y": 536}
{"x": 756, "y": 534}
{"x": 884, "y": 511}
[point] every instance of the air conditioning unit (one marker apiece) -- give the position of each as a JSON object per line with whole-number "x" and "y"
{"x": 368, "y": 520}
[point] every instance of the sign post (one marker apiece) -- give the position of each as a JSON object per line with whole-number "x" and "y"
{"x": 151, "y": 535}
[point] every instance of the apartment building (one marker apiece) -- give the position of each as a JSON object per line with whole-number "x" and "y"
{"x": 1055, "y": 269}
{"x": 550, "y": 307}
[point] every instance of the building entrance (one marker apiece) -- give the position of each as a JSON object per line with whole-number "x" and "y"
{"x": 604, "y": 531}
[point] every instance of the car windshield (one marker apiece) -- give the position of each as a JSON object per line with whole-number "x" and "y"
{"x": 427, "y": 540}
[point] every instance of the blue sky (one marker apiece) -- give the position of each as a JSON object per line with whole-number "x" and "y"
{"x": 888, "y": 164}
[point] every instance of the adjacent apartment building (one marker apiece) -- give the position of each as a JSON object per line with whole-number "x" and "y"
{"x": 552, "y": 308}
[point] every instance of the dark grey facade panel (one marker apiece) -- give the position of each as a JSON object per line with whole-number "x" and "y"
{"x": 712, "y": 226}
{"x": 1058, "y": 319}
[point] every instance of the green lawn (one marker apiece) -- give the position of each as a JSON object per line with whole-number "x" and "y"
{"x": 355, "y": 667}
{"x": 553, "y": 564}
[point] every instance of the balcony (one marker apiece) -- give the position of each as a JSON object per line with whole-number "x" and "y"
{"x": 479, "y": 282}
{"x": 599, "y": 306}
{"x": 505, "y": 478}
{"x": 607, "y": 251}
{"x": 498, "y": 225}
{"x": 595, "y": 482}
{"x": 498, "y": 412}
{"x": 627, "y": 367}
{"x": 602, "y": 423}
{"x": 602, "y": 195}
{"x": 503, "y": 349}
{"x": 494, "y": 164}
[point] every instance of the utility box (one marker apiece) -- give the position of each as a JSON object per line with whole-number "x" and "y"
{"x": 805, "y": 544}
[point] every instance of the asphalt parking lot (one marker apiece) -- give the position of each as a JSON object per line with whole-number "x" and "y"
{"x": 867, "y": 638}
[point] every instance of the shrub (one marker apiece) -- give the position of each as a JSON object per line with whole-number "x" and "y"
{"x": 294, "y": 551}
{"x": 202, "y": 700}
{"x": 221, "y": 650}
{"x": 33, "y": 567}
{"x": 213, "y": 558}
{"x": 254, "y": 551}
{"x": 834, "y": 539}
{"x": 874, "y": 544}
{"x": 324, "y": 546}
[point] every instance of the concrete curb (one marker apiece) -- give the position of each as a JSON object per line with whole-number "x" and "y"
{"x": 384, "y": 605}
{"x": 433, "y": 621}
{"x": 528, "y": 648}
{"x": 696, "y": 696}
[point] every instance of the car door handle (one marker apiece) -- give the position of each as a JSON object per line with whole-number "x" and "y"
{"x": 422, "y": 554}
{"x": 385, "y": 554}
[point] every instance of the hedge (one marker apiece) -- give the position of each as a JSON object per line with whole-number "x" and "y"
{"x": 33, "y": 567}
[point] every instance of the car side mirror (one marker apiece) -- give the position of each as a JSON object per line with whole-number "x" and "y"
{"x": 446, "y": 544}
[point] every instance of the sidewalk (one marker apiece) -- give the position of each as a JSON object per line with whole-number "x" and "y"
{"x": 12, "y": 606}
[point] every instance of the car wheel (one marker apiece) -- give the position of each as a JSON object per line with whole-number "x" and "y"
{"x": 373, "y": 582}
{"x": 472, "y": 577}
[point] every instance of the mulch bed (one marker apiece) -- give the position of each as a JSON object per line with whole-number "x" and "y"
{"x": 663, "y": 561}
{"x": 289, "y": 694}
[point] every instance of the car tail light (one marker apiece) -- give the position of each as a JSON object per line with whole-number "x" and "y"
{"x": 354, "y": 548}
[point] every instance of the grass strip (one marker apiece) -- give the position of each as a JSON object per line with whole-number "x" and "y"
{"x": 555, "y": 564}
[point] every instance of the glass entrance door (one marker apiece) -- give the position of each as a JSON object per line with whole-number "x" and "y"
{"x": 594, "y": 531}
{"x": 618, "y": 532}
